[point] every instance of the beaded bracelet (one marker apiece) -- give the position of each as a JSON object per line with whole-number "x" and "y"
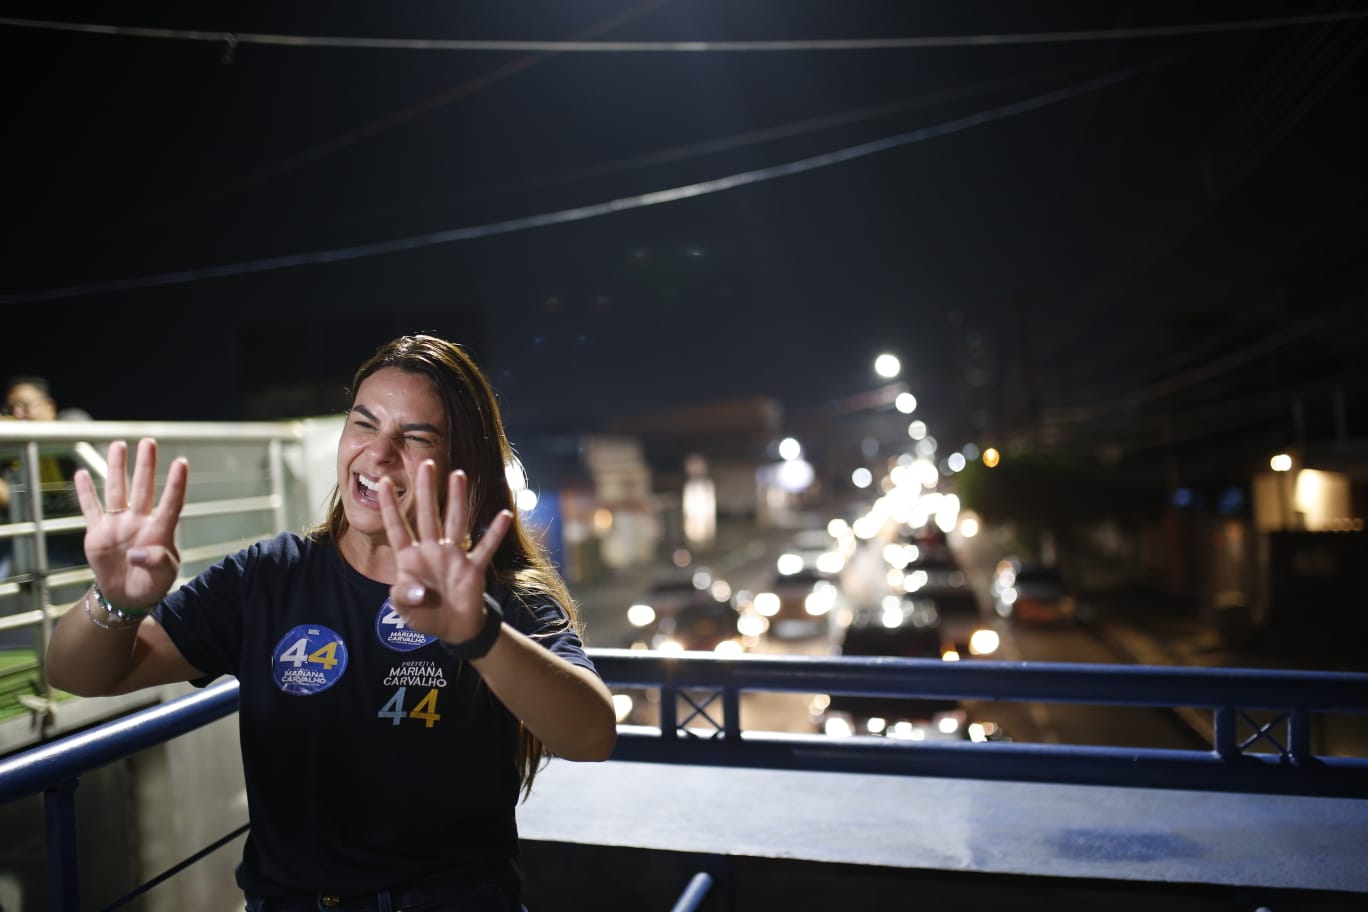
{"x": 115, "y": 618}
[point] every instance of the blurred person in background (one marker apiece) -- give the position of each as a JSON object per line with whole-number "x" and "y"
{"x": 6, "y": 545}
{"x": 28, "y": 397}
{"x": 405, "y": 667}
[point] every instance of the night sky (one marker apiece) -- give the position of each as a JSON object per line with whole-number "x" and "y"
{"x": 1060, "y": 219}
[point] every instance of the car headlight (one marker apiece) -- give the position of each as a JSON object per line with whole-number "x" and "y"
{"x": 820, "y": 600}
{"x": 831, "y": 562}
{"x": 837, "y": 725}
{"x": 752, "y": 625}
{"x": 903, "y": 730}
{"x": 984, "y": 642}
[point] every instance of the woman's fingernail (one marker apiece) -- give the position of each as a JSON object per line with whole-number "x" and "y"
{"x": 137, "y": 555}
{"x": 415, "y": 593}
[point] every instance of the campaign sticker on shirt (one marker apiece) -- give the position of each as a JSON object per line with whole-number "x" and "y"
{"x": 308, "y": 660}
{"x": 395, "y": 634}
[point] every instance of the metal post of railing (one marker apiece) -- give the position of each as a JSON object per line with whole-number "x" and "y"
{"x": 1223, "y": 724}
{"x": 34, "y": 480}
{"x": 1299, "y": 735}
{"x": 39, "y": 592}
{"x": 276, "y": 458}
{"x": 669, "y": 706}
{"x": 694, "y": 893}
{"x": 59, "y": 810}
{"x": 731, "y": 711}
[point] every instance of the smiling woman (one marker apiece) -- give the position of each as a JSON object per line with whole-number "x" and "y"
{"x": 383, "y": 639}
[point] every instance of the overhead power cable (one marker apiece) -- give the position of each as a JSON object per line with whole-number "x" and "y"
{"x": 419, "y": 108}
{"x": 1252, "y": 125}
{"x": 594, "y": 210}
{"x": 743, "y": 140}
{"x": 688, "y": 47}
{"x": 1337, "y": 321}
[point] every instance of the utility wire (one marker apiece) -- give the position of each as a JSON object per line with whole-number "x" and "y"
{"x": 1220, "y": 418}
{"x": 735, "y": 141}
{"x": 403, "y": 115}
{"x": 1216, "y": 367}
{"x": 1306, "y": 97}
{"x": 623, "y": 204}
{"x": 599, "y": 47}
{"x": 1279, "y": 71}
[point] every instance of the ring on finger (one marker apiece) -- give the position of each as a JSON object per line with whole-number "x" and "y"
{"x": 445, "y": 541}
{"x": 120, "y": 510}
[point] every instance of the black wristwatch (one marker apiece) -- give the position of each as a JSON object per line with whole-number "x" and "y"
{"x": 479, "y": 645}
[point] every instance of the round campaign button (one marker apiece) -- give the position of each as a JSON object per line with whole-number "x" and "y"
{"x": 395, "y": 634}
{"x": 308, "y": 660}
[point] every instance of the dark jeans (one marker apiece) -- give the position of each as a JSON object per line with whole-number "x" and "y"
{"x": 447, "y": 897}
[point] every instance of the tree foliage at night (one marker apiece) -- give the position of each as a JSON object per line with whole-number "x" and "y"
{"x": 1049, "y": 491}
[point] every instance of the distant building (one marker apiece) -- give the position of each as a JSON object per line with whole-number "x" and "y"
{"x": 649, "y": 483}
{"x": 595, "y": 507}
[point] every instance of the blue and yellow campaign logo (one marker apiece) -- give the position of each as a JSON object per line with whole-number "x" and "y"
{"x": 308, "y": 660}
{"x": 395, "y": 634}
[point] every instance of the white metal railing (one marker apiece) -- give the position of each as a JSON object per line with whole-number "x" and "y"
{"x": 247, "y": 481}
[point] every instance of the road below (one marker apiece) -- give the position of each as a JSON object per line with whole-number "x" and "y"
{"x": 745, "y": 559}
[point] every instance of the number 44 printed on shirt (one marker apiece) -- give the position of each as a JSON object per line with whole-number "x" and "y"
{"x": 299, "y": 654}
{"x": 426, "y": 708}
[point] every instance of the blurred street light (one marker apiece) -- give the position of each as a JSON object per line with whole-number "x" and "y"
{"x": 887, "y": 366}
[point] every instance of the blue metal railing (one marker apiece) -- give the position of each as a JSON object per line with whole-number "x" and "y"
{"x": 710, "y": 689}
{"x": 55, "y": 769}
{"x": 694, "y": 893}
{"x": 703, "y": 682}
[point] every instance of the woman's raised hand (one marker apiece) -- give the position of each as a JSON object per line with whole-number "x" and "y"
{"x": 129, "y": 544}
{"x": 439, "y": 589}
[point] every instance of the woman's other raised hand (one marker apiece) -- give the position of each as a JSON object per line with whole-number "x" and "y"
{"x": 130, "y": 543}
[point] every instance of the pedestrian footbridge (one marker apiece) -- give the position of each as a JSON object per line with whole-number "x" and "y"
{"x": 698, "y": 813}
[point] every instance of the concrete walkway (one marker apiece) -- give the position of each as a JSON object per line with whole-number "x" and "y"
{"x": 1155, "y": 836}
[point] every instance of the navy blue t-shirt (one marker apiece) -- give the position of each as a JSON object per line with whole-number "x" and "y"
{"x": 372, "y": 758}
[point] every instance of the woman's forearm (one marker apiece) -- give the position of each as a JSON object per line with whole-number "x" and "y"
{"x": 563, "y": 704}
{"x": 95, "y": 654}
